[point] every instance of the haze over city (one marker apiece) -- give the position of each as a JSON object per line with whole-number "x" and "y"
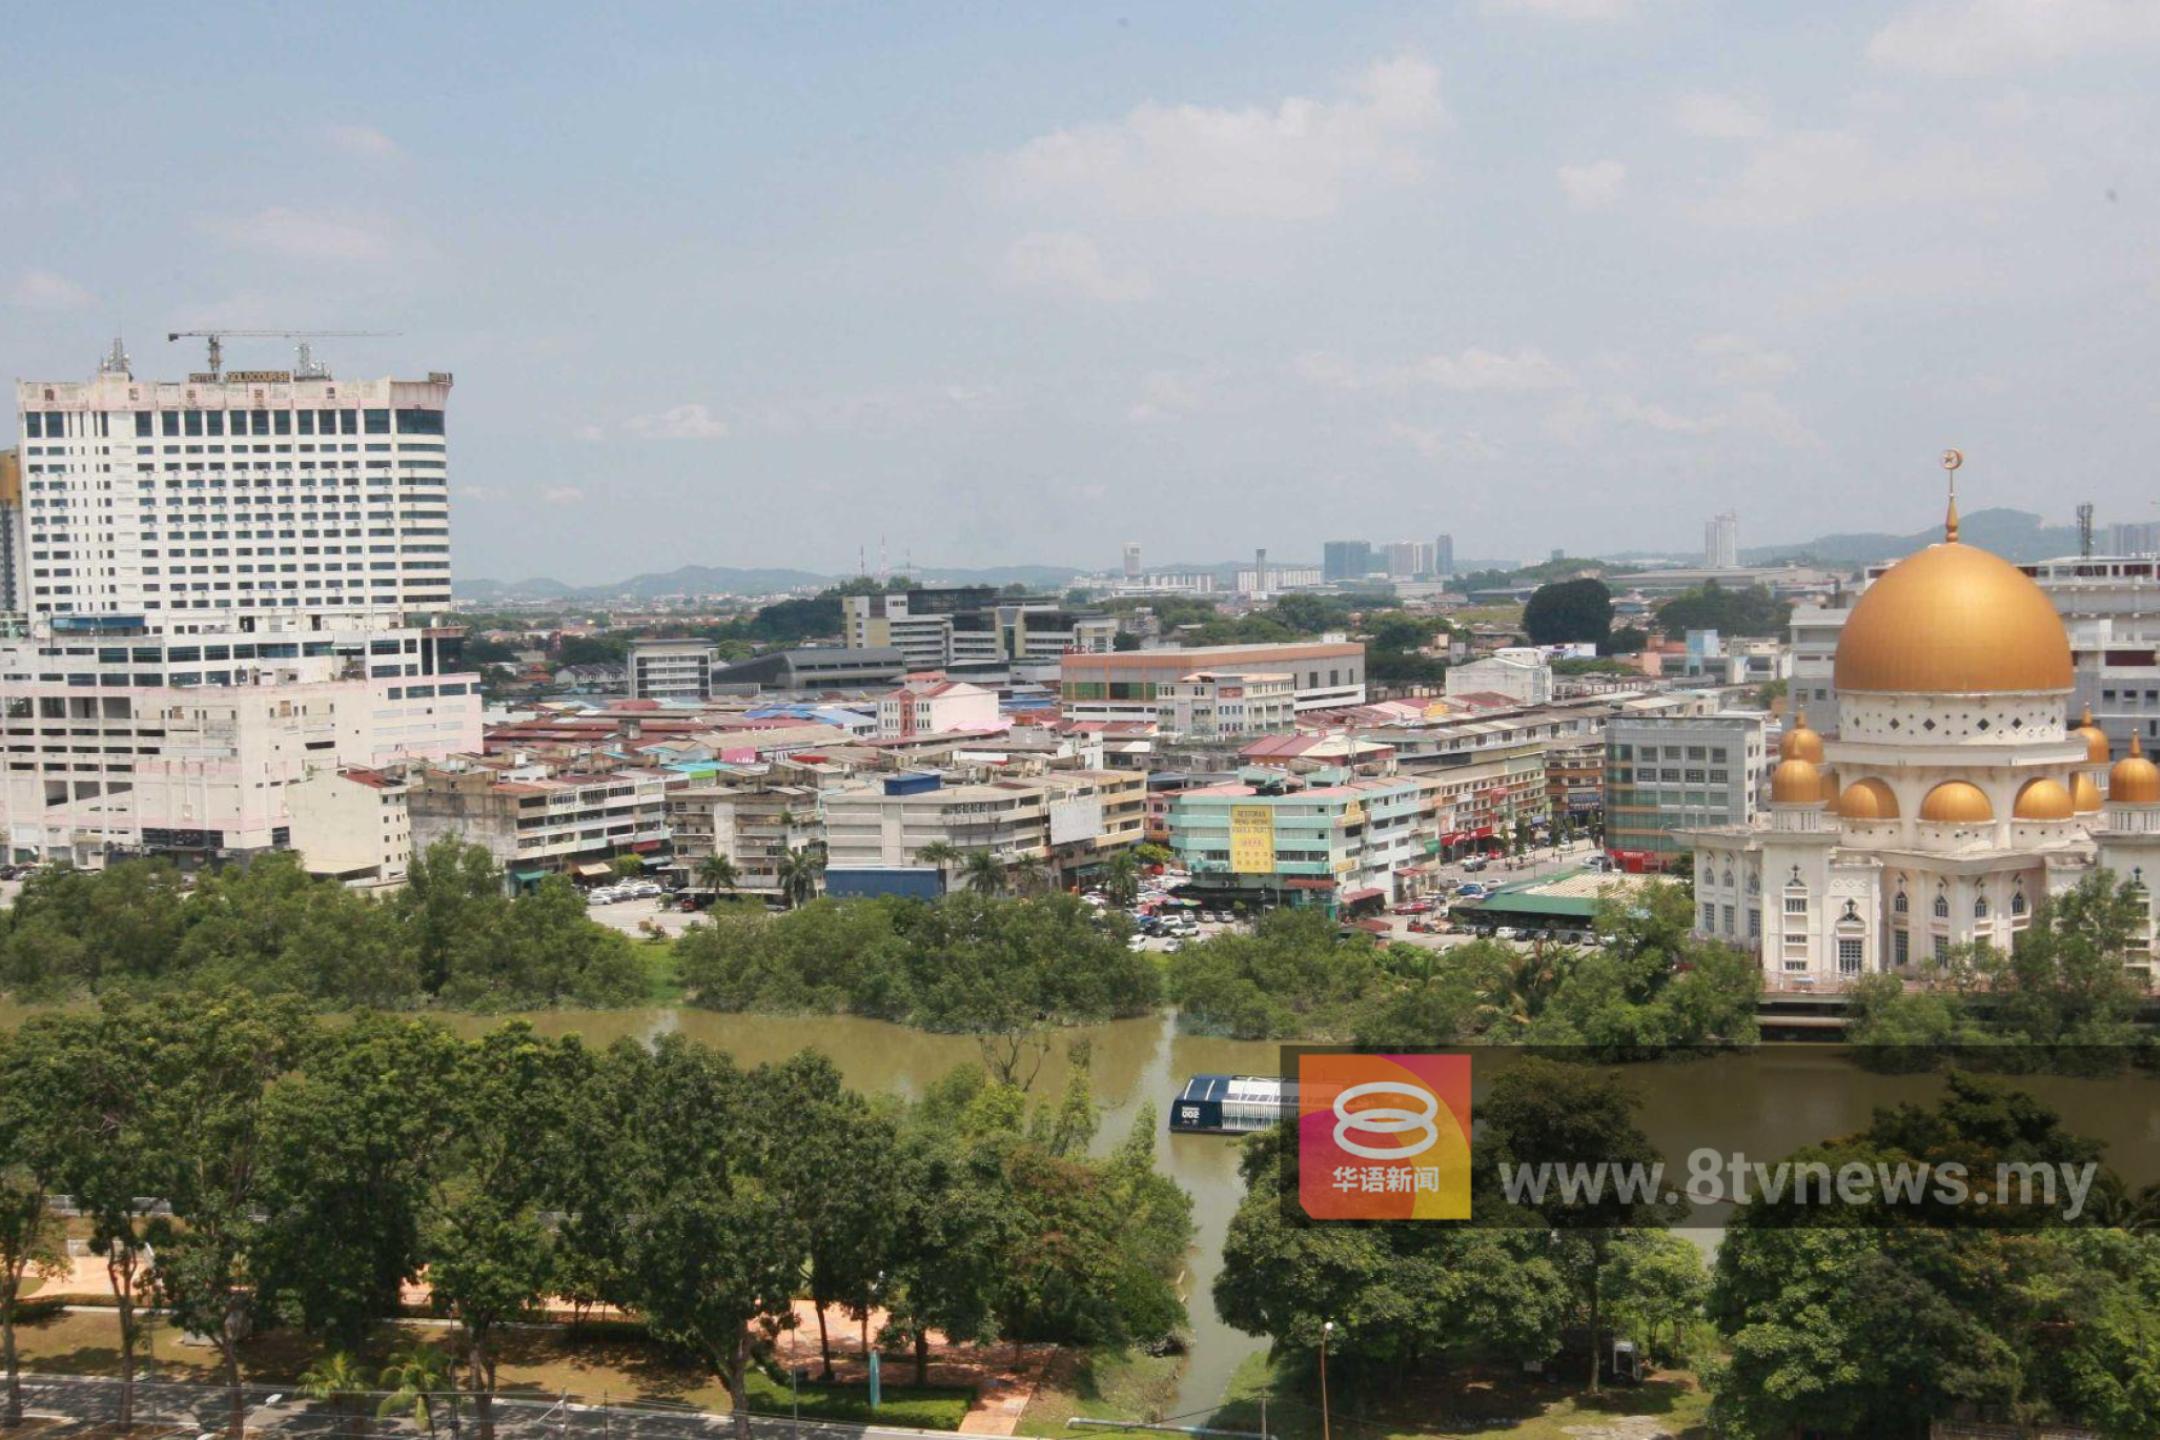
{"x": 993, "y": 286}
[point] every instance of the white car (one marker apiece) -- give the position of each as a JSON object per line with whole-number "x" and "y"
{"x": 605, "y": 895}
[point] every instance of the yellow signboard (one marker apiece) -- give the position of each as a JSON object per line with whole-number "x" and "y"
{"x": 1252, "y": 839}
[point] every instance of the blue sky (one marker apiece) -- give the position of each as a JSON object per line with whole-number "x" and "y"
{"x": 762, "y": 285}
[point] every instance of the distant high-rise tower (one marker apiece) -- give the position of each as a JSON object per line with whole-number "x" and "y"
{"x": 1721, "y": 542}
{"x": 1345, "y": 560}
{"x": 1259, "y": 570}
{"x": 11, "y": 532}
{"x": 1444, "y": 556}
{"x": 1132, "y": 560}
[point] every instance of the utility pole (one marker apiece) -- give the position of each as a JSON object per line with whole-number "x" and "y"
{"x": 1327, "y": 1328}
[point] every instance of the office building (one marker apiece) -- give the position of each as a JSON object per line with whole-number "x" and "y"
{"x": 674, "y": 672}
{"x": 1218, "y": 704}
{"x": 1128, "y": 684}
{"x": 1812, "y": 685}
{"x": 1522, "y": 675}
{"x": 1071, "y": 820}
{"x": 534, "y": 825}
{"x": 2110, "y": 607}
{"x": 1345, "y": 560}
{"x": 1721, "y": 542}
{"x": 815, "y": 667}
{"x": 1444, "y": 556}
{"x": 963, "y": 627}
{"x": 225, "y": 582}
{"x": 2130, "y": 539}
{"x": 1132, "y": 560}
{"x": 930, "y": 704}
{"x": 1336, "y": 842}
{"x": 1667, "y": 777}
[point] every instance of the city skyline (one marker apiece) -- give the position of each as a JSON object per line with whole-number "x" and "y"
{"x": 1001, "y": 280}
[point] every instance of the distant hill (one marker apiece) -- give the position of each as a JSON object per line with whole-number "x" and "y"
{"x": 2013, "y": 534}
{"x": 729, "y": 580}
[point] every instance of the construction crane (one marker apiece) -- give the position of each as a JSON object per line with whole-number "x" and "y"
{"x": 306, "y": 369}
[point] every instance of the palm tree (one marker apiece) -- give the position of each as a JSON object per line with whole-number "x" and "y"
{"x": 941, "y": 853}
{"x": 337, "y": 1378}
{"x": 983, "y": 873}
{"x": 1029, "y": 875}
{"x": 417, "y": 1377}
{"x": 1524, "y": 982}
{"x": 1121, "y": 878}
{"x": 799, "y": 871}
{"x": 717, "y": 872}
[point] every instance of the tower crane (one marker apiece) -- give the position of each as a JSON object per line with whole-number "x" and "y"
{"x": 305, "y": 369}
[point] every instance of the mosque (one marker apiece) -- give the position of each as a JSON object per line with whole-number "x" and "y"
{"x": 1954, "y": 796}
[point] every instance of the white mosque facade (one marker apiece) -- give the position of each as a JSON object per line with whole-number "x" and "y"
{"x": 1955, "y": 795}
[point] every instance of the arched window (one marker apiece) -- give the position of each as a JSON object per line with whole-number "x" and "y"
{"x": 1754, "y": 883}
{"x": 1901, "y": 905}
{"x": 1728, "y": 877}
{"x": 2017, "y": 902}
{"x": 1942, "y": 907}
{"x": 1980, "y": 907}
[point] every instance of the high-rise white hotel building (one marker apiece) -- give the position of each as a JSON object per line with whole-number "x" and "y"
{"x": 226, "y": 586}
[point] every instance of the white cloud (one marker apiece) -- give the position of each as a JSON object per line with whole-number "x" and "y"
{"x": 562, "y": 495}
{"x": 1737, "y": 360}
{"x": 1165, "y": 396}
{"x": 1713, "y": 116}
{"x": 1593, "y": 186}
{"x": 1296, "y": 161}
{"x": 681, "y": 422}
{"x": 298, "y": 235}
{"x": 1067, "y": 264}
{"x": 1751, "y": 414}
{"x": 1984, "y": 37}
{"x": 1447, "y": 444}
{"x": 588, "y": 433}
{"x": 1803, "y": 176}
{"x": 1564, "y": 9}
{"x": 44, "y": 290}
{"x": 1473, "y": 370}
{"x": 361, "y": 142}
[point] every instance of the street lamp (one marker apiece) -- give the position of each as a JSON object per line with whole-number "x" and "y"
{"x": 1327, "y": 1328}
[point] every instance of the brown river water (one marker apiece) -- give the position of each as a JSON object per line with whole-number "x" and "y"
{"x": 1766, "y": 1104}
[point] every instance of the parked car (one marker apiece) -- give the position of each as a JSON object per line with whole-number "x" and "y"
{"x": 1507, "y": 932}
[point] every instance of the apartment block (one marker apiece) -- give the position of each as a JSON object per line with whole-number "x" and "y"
{"x": 1338, "y": 843}
{"x": 961, "y": 626}
{"x": 1071, "y": 820}
{"x": 534, "y": 825}
{"x": 1128, "y": 684}
{"x": 1668, "y": 776}
{"x": 1221, "y": 704}
{"x": 674, "y": 672}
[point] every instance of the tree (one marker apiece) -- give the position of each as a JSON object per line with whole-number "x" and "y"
{"x": 1751, "y": 610}
{"x": 801, "y": 873}
{"x": 716, "y": 872}
{"x": 487, "y": 1253}
{"x": 338, "y": 1380}
{"x": 711, "y": 1249}
{"x": 451, "y": 889}
{"x": 627, "y": 867}
{"x": 34, "y": 1085}
{"x": 1121, "y": 878}
{"x": 984, "y": 873}
{"x": 1543, "y": 1112}
{"x": 1030, "y": 876}
{"x": 112, "y": 1155}
{"x": 218, "y": 1056}
{"x": 1567, "y": 611}
{"x": 418, "y": 1374}
{"x": 950, "y": 1235}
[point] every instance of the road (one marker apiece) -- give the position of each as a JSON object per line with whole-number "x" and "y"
{"x": 630, "y": 916}
{"x": 189, "y": 1410}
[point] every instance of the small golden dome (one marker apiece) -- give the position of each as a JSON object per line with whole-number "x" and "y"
{"x": 1953, "y": 620}
{"x": 1801, "y": 743}
{"x": 1795, "y": 782}
{"x": 1956, "y": 802}
{"x": 1868, "y": 799}
{"x": 2134, "y": 780}
{"x": 2084, "y": 794}
{"x": 2096, "y": 741}
{"x": 2043, "y": 799}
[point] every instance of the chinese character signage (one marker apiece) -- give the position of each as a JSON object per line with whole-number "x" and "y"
{"x": 1384, "y": 1137}
{"x": 1252, "y": 839}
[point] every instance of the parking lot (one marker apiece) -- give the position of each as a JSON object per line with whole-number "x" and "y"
{"x": 631, "y": 916}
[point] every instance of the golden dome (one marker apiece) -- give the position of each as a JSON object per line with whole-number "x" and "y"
{"x": 2134, "y": 780}
{"x": 1953, "y": 620}
{"x": 2043, "y": 799}
{"x": 1868, "y": 799}
{"x": 1956, "y": 802}
{"x": 1795, "y": 782}
{"x": 2084, "y": 794}
{"x": 2096, "y": 741}
{"x": 1801, "y": 743}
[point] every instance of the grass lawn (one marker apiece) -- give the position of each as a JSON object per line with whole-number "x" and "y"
{"x": 663, "y": 976}
{"x": 1102, "y": 1385}
{"x": 537, "y": 1361}
{"x": 1488, "y": 614}
{"x": 1670, "y": 1407}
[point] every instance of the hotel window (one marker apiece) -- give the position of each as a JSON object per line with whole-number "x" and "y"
{"x": 1980, "y": 908}
{"x": 1848, "y": 955}
{"x": 1709, "y": 919}
{"x": 2017, "y": 902}
{"x": 1942, "y": 907}
{"x": 1728, "y": 919}
{"x": 1754, "y": 924}
{"x": 1901, "y": 905}
{"x": 1901, "y": 946}
{"x": 1796, "y": 904}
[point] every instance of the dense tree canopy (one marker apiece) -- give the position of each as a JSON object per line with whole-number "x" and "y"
{"x": 1569, "y": 610}
{"x": 1749, "y": 610}
{"x": 269, "y": 927}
